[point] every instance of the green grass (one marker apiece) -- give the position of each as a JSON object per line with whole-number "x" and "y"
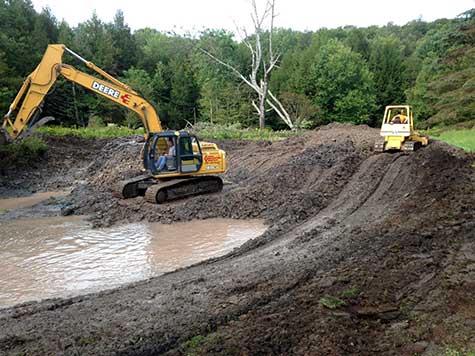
{"x": 221, "y": 132}
{"x": 331, "y": 302}
{"x": 192, "y": 346}
{"x": 460, "y": 138}
{"x": 202, "y": 130}
{"x": 23, "y": 151}
{"x": 91, "y": 132}
{"x": 350, "y": 293}
{"x": 463, "y": 138}
{"x": 454, "y": 352}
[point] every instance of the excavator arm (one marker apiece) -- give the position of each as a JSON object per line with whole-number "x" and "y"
{"x": 39, "y": 83}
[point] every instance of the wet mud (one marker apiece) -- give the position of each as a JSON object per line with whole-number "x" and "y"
{"x": 365, "y": 254}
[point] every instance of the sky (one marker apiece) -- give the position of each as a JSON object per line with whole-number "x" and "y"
{"x": 192, "y": 16}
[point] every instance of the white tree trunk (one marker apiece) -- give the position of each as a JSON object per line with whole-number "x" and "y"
{"x": 258, "y": 62}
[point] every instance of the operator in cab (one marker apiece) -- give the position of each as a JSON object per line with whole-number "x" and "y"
{"x": 399, "y": 118}
{"x": 162, "y": 160}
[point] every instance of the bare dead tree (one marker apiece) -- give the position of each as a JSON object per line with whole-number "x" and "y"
{"x": 261, "y": 67}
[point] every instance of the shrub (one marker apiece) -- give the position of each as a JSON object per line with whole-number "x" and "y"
{"x": 95, "y": 122}
{"x": 331, "y": 302}
{"x": 234, "y": 131}
{"x": 24, "y": 151}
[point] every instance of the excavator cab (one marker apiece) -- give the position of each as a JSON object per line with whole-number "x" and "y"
{"x": 187, "y": 157}
{"x": 175, "y": 176}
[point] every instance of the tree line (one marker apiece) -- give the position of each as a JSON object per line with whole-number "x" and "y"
{"x": 347, "y": 74}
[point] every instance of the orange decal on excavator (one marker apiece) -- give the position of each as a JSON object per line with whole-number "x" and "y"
{"x": 125, "y": 98}
{"x": 211, "y": 158}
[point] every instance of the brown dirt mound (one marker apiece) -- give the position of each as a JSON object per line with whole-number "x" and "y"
{"x": 366, "y": 254}
{"x": 266, "y": 179}
{"x": 62, "y": 166}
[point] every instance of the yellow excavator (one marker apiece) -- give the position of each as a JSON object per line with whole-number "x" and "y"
{"x": 187, "y": 166}
{"x": 397, "y": 131}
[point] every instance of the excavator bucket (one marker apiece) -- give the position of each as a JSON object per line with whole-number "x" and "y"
{"x": 4, "y": 137}
{"x": 37, "y": 124}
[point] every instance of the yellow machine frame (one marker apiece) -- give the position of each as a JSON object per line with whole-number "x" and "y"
{"x": 399, "y": 135}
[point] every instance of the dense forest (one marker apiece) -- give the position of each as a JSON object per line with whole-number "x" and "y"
{"x": 342, "y": 74}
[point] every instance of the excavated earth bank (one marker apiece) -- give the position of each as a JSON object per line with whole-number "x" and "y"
{"x": 365, "y": 254}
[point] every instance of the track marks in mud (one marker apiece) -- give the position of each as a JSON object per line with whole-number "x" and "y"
{"x": 379, "y": 200}
{"x": 366, "y": 187}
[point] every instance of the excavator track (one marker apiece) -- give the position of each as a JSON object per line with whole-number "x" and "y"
{"x": 181, "y": 188}
{"x": 130, "y": 188}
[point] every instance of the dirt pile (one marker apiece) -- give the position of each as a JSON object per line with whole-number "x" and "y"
{"x": 63, "y": 166}
{"x": 366, "y": 254}
{"x": 287, "y": 180}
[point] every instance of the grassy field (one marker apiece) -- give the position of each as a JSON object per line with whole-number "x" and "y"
{"x": 91, "y": 132}
{"x": 221, "y": 132}
{"x": 203, "y": 131}
{"x": 463, "y": 138}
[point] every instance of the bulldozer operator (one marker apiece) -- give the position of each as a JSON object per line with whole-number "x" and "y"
{"x": 399, "y": 118}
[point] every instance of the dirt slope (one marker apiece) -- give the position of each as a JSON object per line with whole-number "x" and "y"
{"x": 62, "y": 167}
{"x": 390, "y": 236}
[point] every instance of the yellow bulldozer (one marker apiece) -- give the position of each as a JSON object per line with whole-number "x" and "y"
{"x": 397, "y": 131}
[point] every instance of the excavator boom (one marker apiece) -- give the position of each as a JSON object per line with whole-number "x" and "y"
{"x": 33, "y": 90}
{"x": 39, "y": 83}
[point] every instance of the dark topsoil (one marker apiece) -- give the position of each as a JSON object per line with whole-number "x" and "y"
{"x": 365, "y": 254}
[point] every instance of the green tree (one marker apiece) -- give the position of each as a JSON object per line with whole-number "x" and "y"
{"x": 420, "y": 95}
{"x": 140, "y": 81}
{"x": 184, "y": 95}
{"x": 222, "y": 98}
{"x": 343, "y": 84}
{"x": 94, "y": 42}
{"x": 126, "y": 51}
{"x": 45, "y": 31}
{"x": 388, "y": 68}
{"x": 65, "y": 34}
{"x": 304, "y": 114}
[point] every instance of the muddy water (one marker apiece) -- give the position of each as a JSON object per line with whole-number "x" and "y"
{"x": 24, "y": 202}
{"x": 63, "y": 256}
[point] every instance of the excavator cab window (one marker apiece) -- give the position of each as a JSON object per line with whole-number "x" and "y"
{"x": 157, "y": 157}
{"x": 189, "y": 155}
{"x": 170, "y": 160}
